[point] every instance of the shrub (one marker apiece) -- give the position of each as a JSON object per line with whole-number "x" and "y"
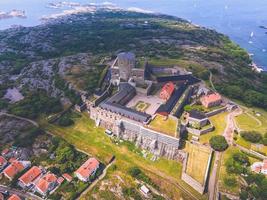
{"x": 241, "y": 158}
{"x": 65, "y": 121}
{"x": 218, "y": 143}
{"x": 230, "y": 181}
{"x": 251, "y": 136}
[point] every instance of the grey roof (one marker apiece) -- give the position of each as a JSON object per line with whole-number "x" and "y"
{"x": 124, "y": 90}
{"x": 197, "y": 114}
{"x": 126, "y": 56}
{"x": 126, "y": 112}
{"x": 114, "y": 104}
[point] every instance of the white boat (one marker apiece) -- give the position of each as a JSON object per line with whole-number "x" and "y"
{"x": 251, "y": 34}
{"x": 250, "y": 42}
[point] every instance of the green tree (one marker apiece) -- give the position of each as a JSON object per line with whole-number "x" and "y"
{"x": 218, "y": 143}
{"x": 251, "y": 136}
{"x": 230, "y": 181}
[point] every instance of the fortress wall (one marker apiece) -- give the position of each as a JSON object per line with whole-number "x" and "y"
{"x": 155, "y": 142}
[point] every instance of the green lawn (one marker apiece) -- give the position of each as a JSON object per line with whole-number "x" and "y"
{"x": 219, "y": 122}
{"x": 167, "y": 126}
{"x": 249, "y": 120}
{"x": 141, "y": 106}
{"x": 197, "y": 163}
{"x": 85, "y": 136}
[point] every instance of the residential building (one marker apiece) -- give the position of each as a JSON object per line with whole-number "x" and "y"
{"x": 27, "y": 179}
{"x": 15, "y": 167}
{"x": 88, "y": 169}
{"x": 259, "y": 167}
{"x": 3, "y": 163}
{"x": 167, "y": 91}
{"x": 67, "y": 177}
{"x": 14, "y": 197}
{"x": 144, "y": 190}
{"x": 46, "y": 184}
{"x": 211, "y": 100}
{"x": 5, "y": 151}
{"x": 1, "y": 196}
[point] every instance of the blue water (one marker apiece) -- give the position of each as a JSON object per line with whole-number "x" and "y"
{"x": 235, "y": 18}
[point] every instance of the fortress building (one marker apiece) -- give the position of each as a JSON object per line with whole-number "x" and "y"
{"x": 133, "y": 99}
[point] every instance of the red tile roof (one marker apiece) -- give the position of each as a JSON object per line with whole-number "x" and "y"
{"x": 14, "y": 168}
{"x": 44, "y": 183}
{"x": 67, "y": 177}
{"x": 2, "y": 161}
{"x": 60, "y": 180}
{"x": 167, "y": 90}
{"x": 14, "y": 197}
{"x": 5, "y": 151}
{"x": 30, "y": 175}
{"x": 88, "y": 167}
{"x": 207, "y": 99}
{"x": 1, "y": 196}
{"x": 264, "y": 167}
{"x": 12, "y": 159}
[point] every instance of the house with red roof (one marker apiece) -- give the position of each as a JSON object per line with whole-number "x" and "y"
{"x": 211, "y": 100}
{"x": 14, "y": 197}
{"x": 5, "y": 151}
{"x": 46, "y": 184}
{"x": 259, "y": 167}
{"x": 27, "y": 179}
{"x": 15, "y": 167}
{"x": 167, "y": 91}
{"x": 67, "y": 177}
{"x": 3, "y": 163}
{"x": 88, "y": 169}
{"x": 1, "y": 196}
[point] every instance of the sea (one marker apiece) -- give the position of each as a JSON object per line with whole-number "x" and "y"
{"x": 244, "y": 21}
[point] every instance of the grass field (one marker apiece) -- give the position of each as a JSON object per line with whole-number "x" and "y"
{"x": 141, "y": 106}
{"x": 219, "y": 122}
{"x": 197, "y": 163}
{"x": 85, "y": 136}
{"x": 167, "y": 126}
{"x": 250, "y": 121}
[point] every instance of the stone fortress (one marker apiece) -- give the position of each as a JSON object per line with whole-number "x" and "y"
{"x": 145, "y": 105}
{"x": 128, "y": 85}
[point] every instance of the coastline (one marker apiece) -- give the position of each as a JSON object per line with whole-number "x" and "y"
{"x": 257, "y": 68}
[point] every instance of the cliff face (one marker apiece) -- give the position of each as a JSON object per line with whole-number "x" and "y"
{"x": 164, "y": 40}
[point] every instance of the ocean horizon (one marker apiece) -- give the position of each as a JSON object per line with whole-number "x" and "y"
{"x": 244, "y": 22}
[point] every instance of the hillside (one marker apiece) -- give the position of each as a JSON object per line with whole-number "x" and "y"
{"x": 69, "y": 54}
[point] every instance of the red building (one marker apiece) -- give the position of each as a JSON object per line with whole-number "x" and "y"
{"x": 211, "y": 100}
{"x": 167, "y": 91}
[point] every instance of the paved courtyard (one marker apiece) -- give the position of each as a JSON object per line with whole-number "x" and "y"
{"x": 153, "y": 101}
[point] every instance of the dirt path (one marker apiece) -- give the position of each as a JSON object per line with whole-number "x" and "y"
{"x": 231, "y": 125}
{"x": 21, "y": 118}
{"x": 211, "y": 82}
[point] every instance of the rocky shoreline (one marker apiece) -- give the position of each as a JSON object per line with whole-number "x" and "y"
{"x": 13, "y": 13}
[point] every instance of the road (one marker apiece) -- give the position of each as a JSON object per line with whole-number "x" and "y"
{"x": 229, "y": 135}
{"x": 21, "y": 118}
{"x": 25, "y": 195}
{"x": 213, "y": 176}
